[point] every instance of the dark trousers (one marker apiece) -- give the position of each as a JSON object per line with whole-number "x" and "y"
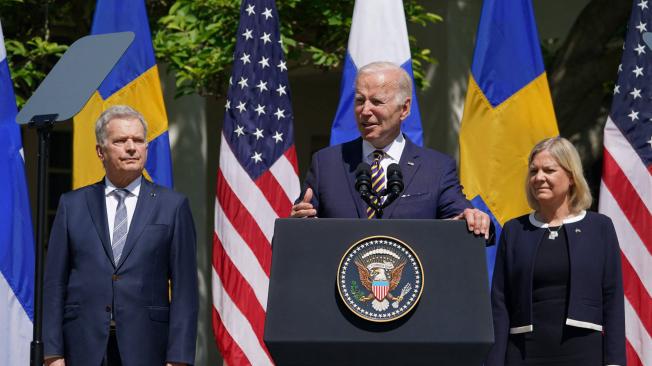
{"x": 112, "y": 356}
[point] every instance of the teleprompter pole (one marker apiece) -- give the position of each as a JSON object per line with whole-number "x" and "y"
{"x": 43, "y": 125}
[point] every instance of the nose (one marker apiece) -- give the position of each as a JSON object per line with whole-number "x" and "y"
{"x": 366, "y": 108}
{"x": 129, "y": 145}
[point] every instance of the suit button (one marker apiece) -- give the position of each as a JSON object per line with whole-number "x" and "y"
{"x": 108, "y": 308}
{"x": 115, "y": 277}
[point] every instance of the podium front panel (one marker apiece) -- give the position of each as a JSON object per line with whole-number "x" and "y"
{"x": 308, "y": 324}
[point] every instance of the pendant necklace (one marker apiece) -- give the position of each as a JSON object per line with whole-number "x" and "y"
{"x": 553, "y": 233}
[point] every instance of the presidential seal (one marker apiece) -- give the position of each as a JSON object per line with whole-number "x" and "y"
{"x": 380, "y": 278}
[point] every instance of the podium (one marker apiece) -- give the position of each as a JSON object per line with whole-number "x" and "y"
{"x": 308, "y": 323}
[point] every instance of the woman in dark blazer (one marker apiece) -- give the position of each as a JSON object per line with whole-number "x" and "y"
{"x": 557, "y": 293}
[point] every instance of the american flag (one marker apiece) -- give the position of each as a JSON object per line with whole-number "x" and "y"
{"x": 626, "y": 187}
{"x": 257, "y": 181}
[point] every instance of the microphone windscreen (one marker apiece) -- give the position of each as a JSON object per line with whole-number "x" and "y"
{"x": 394, "y": 170}
{"x": 363, "y": 178}
{"x": 363, "y": 169}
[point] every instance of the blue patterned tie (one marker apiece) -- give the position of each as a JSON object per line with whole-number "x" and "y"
{"x": 377, "y": 180}
{"x": 120, "y": 225}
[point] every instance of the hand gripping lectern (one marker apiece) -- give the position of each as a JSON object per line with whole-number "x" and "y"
{"x": 334, "y": 288}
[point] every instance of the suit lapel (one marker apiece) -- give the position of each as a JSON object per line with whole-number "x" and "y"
{"x": 144, "y": 208}
{"x": 96, "y": 200}
{"x": 409, "y": 164}
{"x": 352, "y": 156}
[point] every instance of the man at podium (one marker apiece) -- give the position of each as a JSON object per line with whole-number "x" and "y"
{"x": 383, "y": 96}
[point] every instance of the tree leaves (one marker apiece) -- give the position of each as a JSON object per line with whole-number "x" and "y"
{"x": 197, "y": 39}
{"x": 28, "y": 62}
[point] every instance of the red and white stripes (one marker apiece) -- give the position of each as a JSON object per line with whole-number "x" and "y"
{"x": 245, "y": 211}
{"x": 626, "y": 197}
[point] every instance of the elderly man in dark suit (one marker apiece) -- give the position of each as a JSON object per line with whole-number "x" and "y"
{"x": 382, "y": 101}
{"x": 121, "y": 271}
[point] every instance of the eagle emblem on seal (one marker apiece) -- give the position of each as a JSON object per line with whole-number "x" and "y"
{"x": 380, "y": 278}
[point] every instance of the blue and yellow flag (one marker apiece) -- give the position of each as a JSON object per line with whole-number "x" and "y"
{"x": 134, "y": 81}
{"x": 508, "y": 110}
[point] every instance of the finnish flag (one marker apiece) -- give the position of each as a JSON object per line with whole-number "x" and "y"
{"x": 16, "y": 236}
{"x": 378, "y": 33}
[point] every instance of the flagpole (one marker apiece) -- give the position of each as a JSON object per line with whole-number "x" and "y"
{"x": 43, "y": 125}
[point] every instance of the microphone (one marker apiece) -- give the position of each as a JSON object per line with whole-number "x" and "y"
{"x": 363, "y": 185}
{"x": 363, "y": 180}
{"x": 394, "y": 183}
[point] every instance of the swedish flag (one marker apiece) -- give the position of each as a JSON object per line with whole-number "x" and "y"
{"x": 508, "y": 110}
{"x": 133, "y": 81}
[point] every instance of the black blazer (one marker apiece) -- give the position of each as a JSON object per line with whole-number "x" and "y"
{"x": 596, "y": 289}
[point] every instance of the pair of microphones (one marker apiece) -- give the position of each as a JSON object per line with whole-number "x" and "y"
{"x": 394, "y": 188}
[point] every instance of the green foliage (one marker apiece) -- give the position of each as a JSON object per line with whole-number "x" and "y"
{"x": 36, "y": 34}
{"x": 29, "y": 61}
{"x": 197, "y": 38}
{"x": 355, "y": 291}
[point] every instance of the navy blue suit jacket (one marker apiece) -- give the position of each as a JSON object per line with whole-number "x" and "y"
{"x": 83, "y": 286}
{"x": 432, "y": 188}
{"x": 595, "y": 299}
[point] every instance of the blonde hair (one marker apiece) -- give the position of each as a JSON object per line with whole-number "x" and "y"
{"x": 567, "y": 157}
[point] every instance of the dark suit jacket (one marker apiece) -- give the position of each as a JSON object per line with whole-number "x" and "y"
{"x": 432, "y": 188}
{"x": 595, "y": 300}
{"x": 83, "y": 286}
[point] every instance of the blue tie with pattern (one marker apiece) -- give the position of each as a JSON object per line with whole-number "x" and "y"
{"x": 120, "y": 225}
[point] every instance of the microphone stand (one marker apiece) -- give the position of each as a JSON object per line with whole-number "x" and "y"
{"x": 372, "y": 198}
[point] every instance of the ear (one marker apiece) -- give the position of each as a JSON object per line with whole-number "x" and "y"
{"x": 100, "y": 153}
{"x": 405, "y": 108}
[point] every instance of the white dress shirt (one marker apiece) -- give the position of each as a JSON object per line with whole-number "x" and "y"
{"x": 112, "y": 202}
{"x": 393, "y": 153}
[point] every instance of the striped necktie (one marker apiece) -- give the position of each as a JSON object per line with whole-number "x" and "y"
{"x": 120, "y": 225}
{"x": 377, "y": 180}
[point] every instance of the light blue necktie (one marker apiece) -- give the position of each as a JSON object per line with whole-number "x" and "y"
{"x": 120, "y": 225}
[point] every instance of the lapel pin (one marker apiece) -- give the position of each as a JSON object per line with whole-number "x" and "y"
{"x": 410, "y": 163}
{"x": 577, "y": 230}
{"x": 152, "y": 194}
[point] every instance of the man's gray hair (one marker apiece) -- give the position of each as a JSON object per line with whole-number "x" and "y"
{"x": 111, "y": 113}
{"x": 404, "y": 79}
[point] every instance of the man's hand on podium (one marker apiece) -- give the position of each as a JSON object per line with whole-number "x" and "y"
{"x": 304, "y": 208}
{"x": 477, "y": 221}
